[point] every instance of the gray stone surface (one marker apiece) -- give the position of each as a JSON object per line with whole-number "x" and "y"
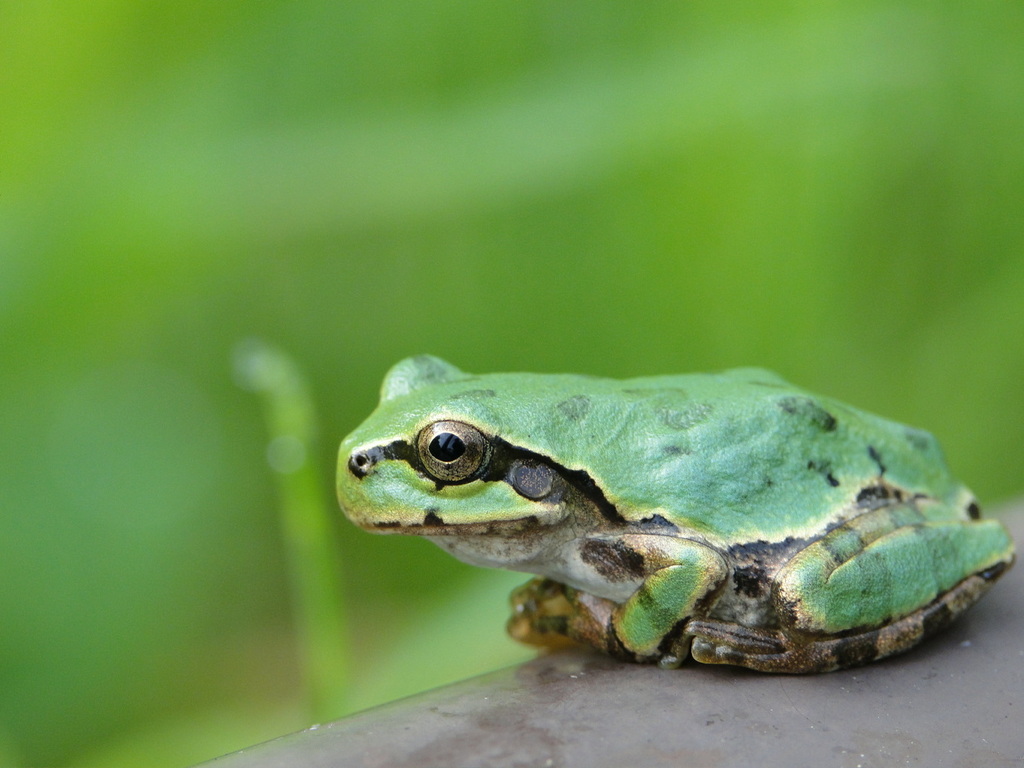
{"x": 957, "y": 700}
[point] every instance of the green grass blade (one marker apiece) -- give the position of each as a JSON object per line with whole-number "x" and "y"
{"x": 310, "y": 539}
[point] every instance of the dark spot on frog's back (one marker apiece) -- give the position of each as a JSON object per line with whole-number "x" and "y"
{"x": 825, "y": 469}
{"x": 877, "y": 458}
{"x": 675, "y": 450}
{"x": 810, "y": 409}
{"x": 919, "y": 439}
{"x": 684, "y": 418}
{"x": 432, "y": 518}
{"x": 575, "y": 408}
{"x": 474, "y": 394}
{"x": 430, "y": 369}
{"x": 974, "y": 511}
{"x": 613, "y": 559}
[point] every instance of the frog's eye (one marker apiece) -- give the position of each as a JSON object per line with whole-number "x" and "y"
{"x": 452, "y": 451}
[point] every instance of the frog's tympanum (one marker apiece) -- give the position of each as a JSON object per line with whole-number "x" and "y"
{"x": 731, "y": 517}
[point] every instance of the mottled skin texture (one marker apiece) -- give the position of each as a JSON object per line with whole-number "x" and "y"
{"x": 731, "y": 517}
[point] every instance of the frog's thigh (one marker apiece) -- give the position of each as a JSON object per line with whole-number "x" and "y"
{"x": 773, "y": 651}
{"x": 872, "y": 570}
{"x": 668, "y": 595}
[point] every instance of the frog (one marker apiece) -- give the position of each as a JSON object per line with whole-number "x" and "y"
{"x": 725, "y": 518}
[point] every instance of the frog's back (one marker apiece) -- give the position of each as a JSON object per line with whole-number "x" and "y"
{"x": 737, "y": 455}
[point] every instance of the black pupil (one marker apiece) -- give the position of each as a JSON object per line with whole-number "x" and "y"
{"x": 447, "y": 447}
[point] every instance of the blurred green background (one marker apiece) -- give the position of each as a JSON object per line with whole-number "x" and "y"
{"x": 831, "y": 190}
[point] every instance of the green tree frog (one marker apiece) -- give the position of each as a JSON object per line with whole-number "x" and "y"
{"x": 729, "y": 517}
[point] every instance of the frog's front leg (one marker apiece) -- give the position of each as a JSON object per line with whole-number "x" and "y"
{"x": 679, "y": 577}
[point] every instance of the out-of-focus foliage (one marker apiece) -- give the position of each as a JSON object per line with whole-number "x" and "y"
{"x": 833, "y": 190}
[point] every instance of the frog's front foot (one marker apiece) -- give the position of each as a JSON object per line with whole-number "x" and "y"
{"x": 552, "y": 615}
{"x": 540, "y": 614}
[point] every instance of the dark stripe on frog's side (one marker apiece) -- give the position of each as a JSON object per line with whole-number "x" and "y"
{"x": 874, "y": 496}
{"x": 613, "y": 559}
{"x": 883, "y": 494}
{"x": 503, "y": 456}
{"x": 655, "y": 524}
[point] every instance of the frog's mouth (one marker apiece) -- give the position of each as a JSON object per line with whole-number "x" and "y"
{"x": 434, "y": 525}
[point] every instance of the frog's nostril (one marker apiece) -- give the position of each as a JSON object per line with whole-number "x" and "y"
{"x": 359, "y": 464}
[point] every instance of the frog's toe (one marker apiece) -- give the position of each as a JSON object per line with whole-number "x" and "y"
{"x": 708, "y": 651}
{"x": 718, "y": 642}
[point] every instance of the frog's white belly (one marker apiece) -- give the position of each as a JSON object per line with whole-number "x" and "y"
{"x": 558, "y": 560}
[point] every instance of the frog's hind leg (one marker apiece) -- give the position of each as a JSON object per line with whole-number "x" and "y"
{"x": 881, "y": 566}
{"x": 873, "y": 586}
{"x": 768, "y": 650}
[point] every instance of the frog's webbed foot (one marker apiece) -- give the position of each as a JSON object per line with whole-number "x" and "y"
{"x": 771, "y": 650}
{"x": 552, "y": 615}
